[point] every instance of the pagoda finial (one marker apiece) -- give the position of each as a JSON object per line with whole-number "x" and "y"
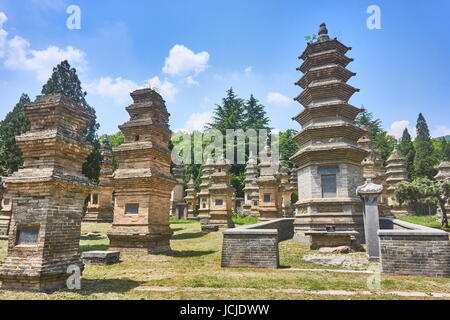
{"x": 323, "y": 32}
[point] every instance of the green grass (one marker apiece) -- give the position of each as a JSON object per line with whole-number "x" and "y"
{"x": 241, "y": 220}
{"x": 427, "y": 221}
{"x": 195, "y": 263}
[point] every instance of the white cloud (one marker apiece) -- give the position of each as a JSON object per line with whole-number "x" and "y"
{"x": 278, "y": 98}
{"x": 18, "y": 55}
{"x": 196, "y": 121}
{"x": 190, "y": 81}
{"x": 182, "y": 60}
{"x": 397, "y": 128}
{"x": 118, "y": 89}
{"x": 440, "y": 131}
{"x": 3, "y": 19}
{"x": 165, "y": 88}
{"x": 248, "y": 70}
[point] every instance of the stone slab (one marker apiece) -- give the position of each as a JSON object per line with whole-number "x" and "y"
{"x": 101, "y": 257}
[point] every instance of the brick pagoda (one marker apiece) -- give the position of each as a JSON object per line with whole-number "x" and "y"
{"x": 203, "y": 195}
{"x": 286, "y": 191}
{"x": 251, "y": 190}
{"x": 143, "y": 181}
{"x": 329, "y": 159}
{"x": 5, "y": 210}
{"x": 396, "y": 172}
{"x": 191, "y": 200}
{"x": 48, "y": 196}
{"x": 178, "y": 207}
{"x": 100, "y": 207}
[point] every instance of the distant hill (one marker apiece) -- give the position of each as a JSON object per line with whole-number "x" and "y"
{"x": 446, "y": 138}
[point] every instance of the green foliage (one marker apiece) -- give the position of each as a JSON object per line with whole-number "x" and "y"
{"x": 425, "y": 159}
{"x": 288, "y": 147}
{"x": 367, "y": 119}
{"x": 385, "y": 144}
{"x": 64, "y": 80}
{"x": 240, "y": 219}
{"x": 14, "y": 124}
{"x": 114, "y": 140}
{"x": 407, "y": 150}
{"x": 426, "y": 191}
{"x": 254, "y": 115}
{"x": 228, "y": 115}
{"x": 445, "y": 149}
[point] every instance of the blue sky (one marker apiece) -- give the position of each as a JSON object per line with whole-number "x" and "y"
{"x": 193, "y": 51}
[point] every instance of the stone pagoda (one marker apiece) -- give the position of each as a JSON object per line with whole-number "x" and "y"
{"x": 178, "y": 207}
{"x": 100, "y": 207}
{"x": 143, "y": 182}
{"x": 329, "y": 159}
{"x": 373, "y": 169}
{"x": 270, "y": 195}
{"x": 221, "y": 195}
{"x": 191, "y": 200}
{"x": 444, "y": 172}
{"x": 396, "y": 172}
{"x": 5, "y": 210}
{"x": 286, "y": 191}
{"x": 251, "y": 190}
{"x": 203, "y": 195}
{"x": 48, "y": 196}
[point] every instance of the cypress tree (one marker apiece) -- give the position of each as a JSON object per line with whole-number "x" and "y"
{"x": 64, "y": 80}
{"x": 407, "y": 150}
{"x": 254, "y": 115}
{"x": 14, "y": 124}
{"x": 445, "y": 147}
{"x": 424, "y": 160}
{"x": 228, "y": 115}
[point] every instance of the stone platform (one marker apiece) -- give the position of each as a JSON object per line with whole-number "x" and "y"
{"x": 101, "y": 257}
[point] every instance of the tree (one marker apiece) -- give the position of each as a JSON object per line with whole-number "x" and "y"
{"x": 14, "y": 124}
{"x": 288, "y": 147}
{"x": 254, "y": 115}
{"x": 366, "y": 119}
{"x": 425, "y": 159}
{"x": 445, "y": 147}
{"x": 427, "y": 191}
{"x": 385, "y": 144}
{"x": 228, "y": 115}
{"x": 407, "y": 150}
{"x": 64, "y": 80}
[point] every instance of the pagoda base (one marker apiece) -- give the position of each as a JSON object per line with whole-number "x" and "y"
{"x": 148, "y": 243}
{"x": 99, "y": 215}
{"x": 222, "y": 220}
{"x": 330, "y": 216}
{"x": 268, "y": 215}
{"x": 37, "y": 279}
{"x": 4, "y": 224}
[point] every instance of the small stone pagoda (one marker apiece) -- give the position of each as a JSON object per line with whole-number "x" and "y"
{"x": 373, "y": 169}
{"x": 396, "y": 172}
{"x": 178, "y": 207}
{"x": 286, "y": 191}
{"x": 100, "y": 207}
{"x": 443, "y": 174}
{"x": 251, "y": 190}
{"x": 143, "y": 182}
{"x": 203, "y": 195}
{"x": 221, "y": 195}
{"x": 329, "y": 159}
{"x": 191, "y": 200}
{"x": 270, "y": 192}
{"x": 48, "y": 196}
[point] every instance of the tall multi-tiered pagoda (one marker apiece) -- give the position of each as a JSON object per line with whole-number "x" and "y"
{"x": 100, "y": 207}
{"x": 143, "y": 182}
{"x": 396, "y": 172}
{"x": 48, "y": 196}
{"x": 178, "y": 207}
{"x": 203, "y": 195}
{"x": 251, "y": 190}
{"x": 329, "y": 159}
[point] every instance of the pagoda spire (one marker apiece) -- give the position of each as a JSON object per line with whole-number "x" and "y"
{"x": 323, "y": 32}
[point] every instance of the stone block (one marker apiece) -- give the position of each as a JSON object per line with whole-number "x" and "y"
{"x": 101, "y": 257}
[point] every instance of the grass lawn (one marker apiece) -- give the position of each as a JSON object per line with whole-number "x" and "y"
{"x": 428, "y": 221}
{"x": 194, "y": 270}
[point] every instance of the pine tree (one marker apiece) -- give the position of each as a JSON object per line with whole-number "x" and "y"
{"x": 230, "y": 114}
{"x": 445, "y": 147}
{"x": 64, "y": 80}
{"x": 424, "y": 160}
{"x": 14, "y": 124}
{"x": 407, "y": 150}
{"x": 254, "y": 115}
{"x": 366, "y": 119}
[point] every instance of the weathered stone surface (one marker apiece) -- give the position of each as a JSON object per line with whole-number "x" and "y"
{"x": 47, "y": 196}
{"x": 337, "y": 250}
{"x": 5, "y": 211}
{"x": 323, "y": 239}
{"x": 100, "y": 207}
{"x": 251, "y": 190}
{"x": 101, "y": 257}
{"x": 210, "y": 228}
{"x": 178, "y": 206}
{"x": 191, "y": 200}
{"x": 329, "y": 160}
{"x": 255, "y": 246}
{"x": 143, "y": 182}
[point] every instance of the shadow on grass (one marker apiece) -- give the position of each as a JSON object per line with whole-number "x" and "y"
{"x": 176, "y": 229}
{"x": 89, "y": 286}
{"x": 189, "y": 253}
{"x": 187, "y": 235}
{"x": 94, "y": 247}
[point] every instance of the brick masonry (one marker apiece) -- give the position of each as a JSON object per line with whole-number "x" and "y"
{"x": 255, "y": 246}
{"x": 408, "y": 249}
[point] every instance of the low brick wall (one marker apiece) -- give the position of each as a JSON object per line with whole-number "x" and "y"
{"x": 409, "y": 249}
{"x": 255, "y": 246}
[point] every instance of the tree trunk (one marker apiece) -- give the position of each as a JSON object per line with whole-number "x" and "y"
{"x": 444, "y": 219}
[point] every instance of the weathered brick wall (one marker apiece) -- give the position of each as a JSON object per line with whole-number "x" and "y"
{"x": 255, "y": 246}
{"x": 420, "y": 251}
